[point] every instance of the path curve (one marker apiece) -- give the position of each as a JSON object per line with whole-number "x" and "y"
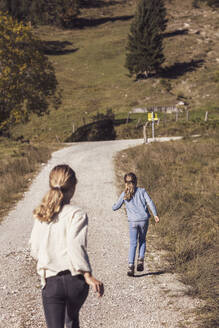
{"x": 149, "y": 300}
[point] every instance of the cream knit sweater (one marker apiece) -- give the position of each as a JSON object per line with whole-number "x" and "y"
{"x": 61, "y": 244}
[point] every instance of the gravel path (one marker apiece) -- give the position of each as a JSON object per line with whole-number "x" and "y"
{"x": 153, "y": 299}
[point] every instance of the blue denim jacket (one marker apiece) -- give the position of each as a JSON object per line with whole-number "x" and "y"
{"x": 137, "y": 207}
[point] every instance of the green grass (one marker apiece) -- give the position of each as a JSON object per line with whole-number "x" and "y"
{"x": 182, "y": 178}
{"x": 92, "y": 76}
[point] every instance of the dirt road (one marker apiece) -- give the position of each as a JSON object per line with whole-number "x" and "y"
{"x": 153, "y": 299}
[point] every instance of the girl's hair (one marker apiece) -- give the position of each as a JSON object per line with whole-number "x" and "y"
{"x": 61, "y": 179}
{"x": 130, "y": 185}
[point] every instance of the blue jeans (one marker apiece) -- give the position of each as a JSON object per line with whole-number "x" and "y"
{"x": 137, "y": 233}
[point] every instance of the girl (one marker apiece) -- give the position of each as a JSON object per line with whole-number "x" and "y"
{"x": 58, "y": 243}
{"x": 136, "y": 201}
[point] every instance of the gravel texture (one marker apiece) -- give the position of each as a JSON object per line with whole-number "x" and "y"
{"x": 152, "y": 299}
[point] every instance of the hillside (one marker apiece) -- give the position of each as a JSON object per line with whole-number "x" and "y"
{"x": 89, "y": 62}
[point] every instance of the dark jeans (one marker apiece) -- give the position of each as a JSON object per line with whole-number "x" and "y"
{"x": 63, "y": 297}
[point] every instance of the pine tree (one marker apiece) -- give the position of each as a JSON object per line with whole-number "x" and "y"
{"x": 144, "y": 50}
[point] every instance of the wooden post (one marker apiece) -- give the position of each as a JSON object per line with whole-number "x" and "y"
{"x": 145, "y": 132}
{"x": 127, "y": 120}
{"x": 206, "y": 116}
{"x": 177, "y": 115}
{"x": 165, "y": 118}
{"x": 73, "y": 127}
{"x": 138, "y": 122}
{"x": 187, "y": 115}
{"x": 153, "y": 126}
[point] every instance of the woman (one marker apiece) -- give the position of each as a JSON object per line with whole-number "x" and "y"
{"x": 58, "y": 243}
{"x": 136, "y": 201}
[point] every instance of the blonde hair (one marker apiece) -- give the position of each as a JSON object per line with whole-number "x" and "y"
{"x": 61, "y": 179}
{"x": 130, "y": 185}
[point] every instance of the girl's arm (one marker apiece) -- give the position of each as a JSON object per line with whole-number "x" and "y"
{"x": 119, "y": 203}
{"x": 152, "y": 206}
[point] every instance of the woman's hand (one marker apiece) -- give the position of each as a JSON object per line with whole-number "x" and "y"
{"x": 94, "y": 283}
{"x": 156, "y": 218}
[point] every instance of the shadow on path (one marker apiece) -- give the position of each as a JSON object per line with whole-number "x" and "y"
{"x": 92, "y": 22}
{"x": 57, "y": 47}
{"x": 98, "y": 3}
{"x": 156, "y": 273}
{"x": 175, "y": 33}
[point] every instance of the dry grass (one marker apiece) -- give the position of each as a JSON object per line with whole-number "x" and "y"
{"x": 182, "y": 178}
{"x": 18, "y": 164}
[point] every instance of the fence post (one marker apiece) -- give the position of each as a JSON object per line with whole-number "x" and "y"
{"x": 127, "y": 120}
{"x": 177, "y": 115}
{"x": 206, "y": 116}
{"x": 83, "y": 120}
{"x": 145, "y": 132}
{"x": 187, "y": 115}
{"x": 138, "y": 122}
{"x": 165, "y": 119}
{"x": 153, "y": 126}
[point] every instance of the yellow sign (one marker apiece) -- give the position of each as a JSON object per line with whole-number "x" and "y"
{"x": 152, "y": 116}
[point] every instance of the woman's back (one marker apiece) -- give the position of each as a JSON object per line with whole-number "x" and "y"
{"x": 59, "y": 245}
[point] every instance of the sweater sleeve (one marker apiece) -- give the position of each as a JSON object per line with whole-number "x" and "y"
{"x": 119, "y": 203}
{"x": 34, "y": 241}
{"x": 77, "y": 242}
{"x": 150, "y": 203}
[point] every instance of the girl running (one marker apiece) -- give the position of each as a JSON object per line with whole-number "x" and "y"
{"x": 137, "y": 202}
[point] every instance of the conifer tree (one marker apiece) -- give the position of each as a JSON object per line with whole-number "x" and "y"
{"x": 144, "y": 50}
